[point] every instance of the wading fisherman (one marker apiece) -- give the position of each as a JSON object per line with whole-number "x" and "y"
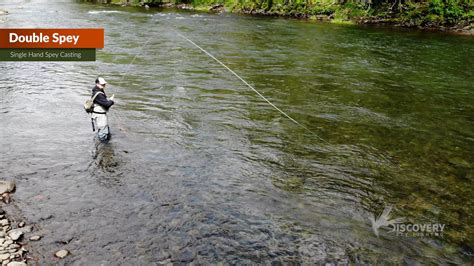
{"x": 100, "y": 108}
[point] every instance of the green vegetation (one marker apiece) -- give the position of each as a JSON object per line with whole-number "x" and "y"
{"x": 421, "y": 13}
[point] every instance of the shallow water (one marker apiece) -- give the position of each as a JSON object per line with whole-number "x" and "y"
{"x": 201, "y": 169}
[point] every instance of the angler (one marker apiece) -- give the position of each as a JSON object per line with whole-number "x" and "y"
{"x": 99, "y": 109}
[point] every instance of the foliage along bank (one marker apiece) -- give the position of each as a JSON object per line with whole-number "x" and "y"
{"x": 457, "y": 15}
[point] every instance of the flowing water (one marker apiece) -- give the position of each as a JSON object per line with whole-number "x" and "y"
{"x": 201, "y": 169}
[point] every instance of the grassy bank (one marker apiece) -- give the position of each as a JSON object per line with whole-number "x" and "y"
{"x": 437, "y": 14}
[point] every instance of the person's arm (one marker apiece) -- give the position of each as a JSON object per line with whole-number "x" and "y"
{"x": 102, "y": 100}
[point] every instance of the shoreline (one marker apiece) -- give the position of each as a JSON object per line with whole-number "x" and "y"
{"x": 13, "y": 241}
{"x": 465, "y": 28}
{"x": 17, "y": 233}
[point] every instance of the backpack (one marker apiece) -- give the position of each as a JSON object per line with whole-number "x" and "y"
{"x": 89, "y": 104}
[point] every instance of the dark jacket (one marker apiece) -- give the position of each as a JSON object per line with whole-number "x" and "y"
{"x": 101, "y": 99}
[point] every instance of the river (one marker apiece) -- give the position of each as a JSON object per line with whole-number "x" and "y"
{"x": 201, "y": 169}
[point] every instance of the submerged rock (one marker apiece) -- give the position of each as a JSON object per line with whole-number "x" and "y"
{"x": 35, "y": 238}
{"x": 62, "y": 253}
{"x": 186, "y": 256}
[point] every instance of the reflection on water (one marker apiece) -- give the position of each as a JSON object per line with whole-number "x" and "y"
{"x": 201, "y": 170}
{"x": 106, "y": 164}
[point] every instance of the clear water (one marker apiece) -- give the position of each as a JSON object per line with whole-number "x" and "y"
{"x": 200, "y": 169}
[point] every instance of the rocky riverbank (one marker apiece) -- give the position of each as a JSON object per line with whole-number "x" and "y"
{"x": 12, "y": 250}
{"x": 463, "y": 28}
{"x": 16, "y": 234}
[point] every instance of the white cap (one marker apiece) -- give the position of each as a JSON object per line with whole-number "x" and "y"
{"x": 101, "y": 81}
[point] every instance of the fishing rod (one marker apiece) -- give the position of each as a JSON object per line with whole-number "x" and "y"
{"x": 135, "y": 57}
{"x": 128, "y": 70}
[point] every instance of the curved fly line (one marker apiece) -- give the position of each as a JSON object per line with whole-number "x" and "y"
{"x": 252, "y": 88}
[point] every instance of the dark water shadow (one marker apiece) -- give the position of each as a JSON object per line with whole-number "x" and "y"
{"x": 106, "y": 165}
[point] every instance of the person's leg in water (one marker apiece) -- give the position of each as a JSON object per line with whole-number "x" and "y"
{"x": 103, "y": 131}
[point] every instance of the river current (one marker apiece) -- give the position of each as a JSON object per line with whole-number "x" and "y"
{"x": 201, "y": 169}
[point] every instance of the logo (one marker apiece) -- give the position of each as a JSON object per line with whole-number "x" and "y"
{"x": 384, "y": 220}
{"x": 400, "y": 228}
